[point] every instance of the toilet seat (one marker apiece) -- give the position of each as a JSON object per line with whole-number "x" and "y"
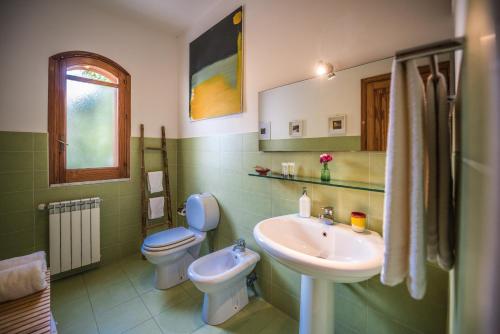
{"x": 168, "y": 239}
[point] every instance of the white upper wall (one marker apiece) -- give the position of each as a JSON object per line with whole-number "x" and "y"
{"x": 283, "y": 39}
{"x": 33, "y": 30}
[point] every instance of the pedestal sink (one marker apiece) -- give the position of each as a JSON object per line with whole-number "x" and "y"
{"x": 324, "y": 255}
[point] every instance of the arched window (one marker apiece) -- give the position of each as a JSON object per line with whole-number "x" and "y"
{"x": 89, "y": 118}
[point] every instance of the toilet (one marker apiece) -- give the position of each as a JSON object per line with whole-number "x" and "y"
{"x": 173, "y": 250}
{"x": 221, "y": 276}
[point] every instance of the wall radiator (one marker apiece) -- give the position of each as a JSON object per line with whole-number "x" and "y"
{"x": 74, "y": 234}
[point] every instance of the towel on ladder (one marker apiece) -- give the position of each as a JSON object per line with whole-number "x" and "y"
{"x": 404, "y": 233}
{"x": 155, "y": 181}
{"x": 439, "y": 201}
{"x": 155, "y": 209}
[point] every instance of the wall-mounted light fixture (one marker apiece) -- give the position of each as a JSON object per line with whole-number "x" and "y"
{"x": 325, "y": 69}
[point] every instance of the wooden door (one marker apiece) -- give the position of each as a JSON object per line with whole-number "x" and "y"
{"x": 375, "y": 92}
{"x": 375, "y": 112}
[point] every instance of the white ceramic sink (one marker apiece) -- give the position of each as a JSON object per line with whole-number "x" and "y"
{"x": 324, "y": 255}
{"x": 333, "y": 252}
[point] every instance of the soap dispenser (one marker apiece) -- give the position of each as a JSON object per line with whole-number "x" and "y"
{"x": 304, "y": 205}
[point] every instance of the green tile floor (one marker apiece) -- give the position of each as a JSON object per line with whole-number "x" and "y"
{"x": 120, "y": 298}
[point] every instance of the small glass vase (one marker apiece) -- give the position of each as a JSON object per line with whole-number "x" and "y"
{"x": 325, "y": 173}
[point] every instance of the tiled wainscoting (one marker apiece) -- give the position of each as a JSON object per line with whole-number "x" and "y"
{"x": 24, "y": 184}
{"x": 220, "y": 164}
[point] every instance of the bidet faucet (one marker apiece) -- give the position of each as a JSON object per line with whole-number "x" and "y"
{"x": 239, "y": 245}
{"x": 327, "y": 215}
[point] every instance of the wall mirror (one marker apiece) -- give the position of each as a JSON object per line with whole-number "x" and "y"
{"x": 346, "y": 113}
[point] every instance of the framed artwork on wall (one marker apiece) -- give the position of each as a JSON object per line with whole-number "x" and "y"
{"x": 337, "y": 125}
{"x": 264, "y": 130}
{"x": 216, "y": 69}
{"x": 295, "y": 128}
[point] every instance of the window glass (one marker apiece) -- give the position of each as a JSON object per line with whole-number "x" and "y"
{"x": 91, "y": 124}
{"x": 92, "y": 72}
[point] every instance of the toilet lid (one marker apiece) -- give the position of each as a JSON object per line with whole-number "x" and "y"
{"x": 168, "y": 237}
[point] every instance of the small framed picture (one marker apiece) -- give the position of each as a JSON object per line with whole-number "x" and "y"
{"x": 295, "y": 128}
{"x": 337, "y": 125}
{"x": 264, "y": 130}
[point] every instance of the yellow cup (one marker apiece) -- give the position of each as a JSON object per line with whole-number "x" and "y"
{"x": 358, "y": 221}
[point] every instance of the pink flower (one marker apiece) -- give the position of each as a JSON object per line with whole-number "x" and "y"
{"x": 325, "y": 158}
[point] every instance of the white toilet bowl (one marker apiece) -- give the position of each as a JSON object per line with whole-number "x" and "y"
{"x": 222, "y": 277}
{"x": 171, "y": 261}
{"x": 173, "y": 250}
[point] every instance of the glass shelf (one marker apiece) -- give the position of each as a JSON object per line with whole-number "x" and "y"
{"x": 332, "y": 183}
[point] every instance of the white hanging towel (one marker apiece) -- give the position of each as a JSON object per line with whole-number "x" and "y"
{"x": 439, "y": 202}
{"x": 156, "y": 207}
{"x": 404, "y": 234}
{"x": 155, "y": 182}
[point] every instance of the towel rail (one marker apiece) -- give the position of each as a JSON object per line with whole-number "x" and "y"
{"x": 446, "y": 46}
{"x": 432, "y": 51}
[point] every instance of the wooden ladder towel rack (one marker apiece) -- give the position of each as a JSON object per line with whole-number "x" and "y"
{"x": 146, "y": 225}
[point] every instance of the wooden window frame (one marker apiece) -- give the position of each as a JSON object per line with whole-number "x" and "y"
{"x": 58, "y": 64}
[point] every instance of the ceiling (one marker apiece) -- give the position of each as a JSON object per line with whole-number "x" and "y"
{"x": 172, "y": 15}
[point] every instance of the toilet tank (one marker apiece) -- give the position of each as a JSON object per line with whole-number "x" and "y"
{"x": 202, "y": 212}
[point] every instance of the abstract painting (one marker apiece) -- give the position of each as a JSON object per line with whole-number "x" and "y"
{"x": 216, "y": 69}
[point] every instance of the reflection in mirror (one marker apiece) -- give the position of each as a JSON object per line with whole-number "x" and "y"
{"x": 347, "y": 113}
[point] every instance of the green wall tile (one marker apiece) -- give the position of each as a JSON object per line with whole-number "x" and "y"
{"x": 16, "y": 161}
{"x": 17, "y": 181}
{"x": 102, "y": 190}
{"x": 41, "y": 160}
{"x": 231, "y": 161}
{"x": 110, "y": 254}
{"x": 288, "y": 190}
{"x": 352, "y": 166}
{"x": 57, "y": 194}
{"x": 130, "y": 187}
{"x": 256, "y": 185}
{"x": 282, "y": 207}
{"x": 351, "y": 314}
{"x": 109, "y": 230}
{"x": 40, "y": 141}
{"x": 16, "y": 243}
{"x": 41, "y": 231}
{"x": 285, "y": 278}
{"x": 252, "y": 159}
{"x": 255, "y": 203}
{"x": 110, "y": 206}
{"x": 285, "y": 301}
{"x": 251, "y": 142}
{"x": 16, "y": 141}
{"x": 16, "y": 221}
{"x": 211, "y": 144}
{"x": 15, "y": 202}
{"x": 232, "y": 143}
{"x": 41, "y": 180}
{"x": 377, "y": 167}
{"x": 256, "y": 199}
{"x": 376, "y": 212}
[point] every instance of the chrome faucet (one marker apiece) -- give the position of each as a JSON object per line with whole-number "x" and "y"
{"x": 239, "y": 245}
{"x": 327, "y": 215}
